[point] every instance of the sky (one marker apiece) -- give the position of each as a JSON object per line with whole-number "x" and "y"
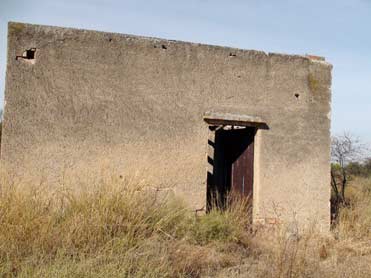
{"x": 339, "y": 30}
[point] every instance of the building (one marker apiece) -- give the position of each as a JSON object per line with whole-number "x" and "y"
{"x": 190, "y": 118}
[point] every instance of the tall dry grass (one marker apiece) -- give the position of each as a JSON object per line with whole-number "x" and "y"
{"x": 117, "y": 228}
{"x": 121, "y": 228}
{"x": 355, "y": 219}
{"x": 344, "y": 252}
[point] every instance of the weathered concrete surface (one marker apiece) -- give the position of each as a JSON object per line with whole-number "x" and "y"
{"x": 93, "y": 100}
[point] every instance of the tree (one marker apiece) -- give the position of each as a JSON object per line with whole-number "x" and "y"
{"x": 345, "y": 149}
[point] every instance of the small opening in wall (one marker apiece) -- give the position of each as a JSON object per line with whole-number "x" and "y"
{"x": 163, "y": 46}
{"x": 232, "y": 54}
{"x": 297, "y": 95}
{"x": 29, "y": 54}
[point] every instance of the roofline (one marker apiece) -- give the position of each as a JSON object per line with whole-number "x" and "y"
{"x": 312, "y": 58}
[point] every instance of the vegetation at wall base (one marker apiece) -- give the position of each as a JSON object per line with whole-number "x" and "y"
{"x": 123, "y": 229}
{"x": 118, "y": 228}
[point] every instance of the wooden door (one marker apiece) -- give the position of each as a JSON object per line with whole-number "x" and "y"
{"x": 242, "y": 162}
{"x": 233, "y": 171}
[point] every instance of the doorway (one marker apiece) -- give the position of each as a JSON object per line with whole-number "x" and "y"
{"x": 233, "y": 166}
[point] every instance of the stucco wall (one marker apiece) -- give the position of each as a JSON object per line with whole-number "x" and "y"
{"x": 92, "y": 100}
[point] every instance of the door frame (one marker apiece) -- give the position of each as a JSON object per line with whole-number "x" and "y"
{"x": 217, "y": 120}
{"x": 231, "y": 146}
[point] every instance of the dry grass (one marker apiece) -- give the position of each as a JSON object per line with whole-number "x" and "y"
{"x": 345, "y": 252}
{"x": 120, "y": 228}
{"x": 117, "y": 228}
{"x": 355, "y": 220}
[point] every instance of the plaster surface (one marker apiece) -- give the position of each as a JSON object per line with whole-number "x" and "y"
{"x": 92, "y": 100}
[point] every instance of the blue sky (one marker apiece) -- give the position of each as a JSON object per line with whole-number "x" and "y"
{"x": 339, "y": 30}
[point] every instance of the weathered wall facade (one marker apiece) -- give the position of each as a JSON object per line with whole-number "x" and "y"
{"x": 90, "y": 100}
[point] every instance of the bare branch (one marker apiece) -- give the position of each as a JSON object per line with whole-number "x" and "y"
{"x": 346, "y": 148}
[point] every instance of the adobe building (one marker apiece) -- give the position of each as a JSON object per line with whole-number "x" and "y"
{"x": 196, "y": 119}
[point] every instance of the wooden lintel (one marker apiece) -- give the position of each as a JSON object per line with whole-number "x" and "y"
{"x": 215, "y": 118}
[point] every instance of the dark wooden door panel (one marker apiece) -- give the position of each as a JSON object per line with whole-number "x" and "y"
{"x": 233, "y": 164}
{"x": 242, "y": 170}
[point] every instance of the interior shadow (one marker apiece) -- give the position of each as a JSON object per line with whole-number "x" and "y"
{"x": 228, "y": 147}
